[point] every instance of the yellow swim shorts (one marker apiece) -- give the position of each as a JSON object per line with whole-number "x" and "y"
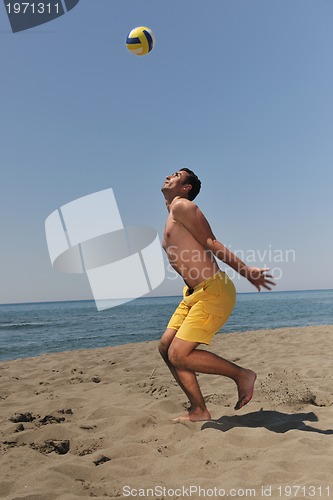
{"x": 204, "y": 309}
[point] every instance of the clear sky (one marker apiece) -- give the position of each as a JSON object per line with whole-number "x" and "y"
{"x": 239, "y": 91}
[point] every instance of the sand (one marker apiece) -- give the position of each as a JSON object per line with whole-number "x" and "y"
{"x": 98, "y": 423}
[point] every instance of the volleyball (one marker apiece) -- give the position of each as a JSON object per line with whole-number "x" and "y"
{"x": 140, "y": 41}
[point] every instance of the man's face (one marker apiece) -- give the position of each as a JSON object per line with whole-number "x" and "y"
{"x": 175, "y": 182}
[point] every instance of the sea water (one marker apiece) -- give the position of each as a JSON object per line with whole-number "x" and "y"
{"x": 32, "y": 329}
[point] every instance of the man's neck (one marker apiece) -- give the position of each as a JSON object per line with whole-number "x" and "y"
{"x": 169, "y": 200}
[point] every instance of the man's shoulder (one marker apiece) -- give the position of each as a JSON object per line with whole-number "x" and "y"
{"x": 183, "y": 210}
{"x": 180, "y": 203}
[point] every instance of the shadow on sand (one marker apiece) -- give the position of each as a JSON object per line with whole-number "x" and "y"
{"x": 274, "y": 421}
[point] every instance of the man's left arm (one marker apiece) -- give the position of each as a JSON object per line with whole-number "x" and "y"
{"x": 188, "y": 214}
{"x": 259, "y": 277}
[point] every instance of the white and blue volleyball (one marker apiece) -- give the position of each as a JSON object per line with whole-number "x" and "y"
{"x": 140, "y": 41}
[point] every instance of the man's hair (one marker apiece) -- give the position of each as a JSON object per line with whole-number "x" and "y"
{"x": 194, "y": 181}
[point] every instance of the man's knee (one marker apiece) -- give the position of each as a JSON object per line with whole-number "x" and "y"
{"x": 176, "y": 358}
{"x": 163, "y": 348}
{"x": 165, "y": 342}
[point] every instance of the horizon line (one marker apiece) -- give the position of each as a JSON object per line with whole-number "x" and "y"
{"x": 159, "y": 296}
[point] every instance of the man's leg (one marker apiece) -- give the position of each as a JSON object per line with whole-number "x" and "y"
{"x": 184, "y": 355}
{"x": 186, "y": 379}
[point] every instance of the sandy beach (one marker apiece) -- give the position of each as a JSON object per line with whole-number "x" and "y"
{"x": 98, "y": 423}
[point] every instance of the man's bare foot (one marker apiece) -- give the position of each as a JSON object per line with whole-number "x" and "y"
{"x": 245, "y": 386}
{"x": 193, "y": 416}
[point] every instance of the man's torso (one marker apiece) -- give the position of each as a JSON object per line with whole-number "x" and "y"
{"x": 186, "y": 255}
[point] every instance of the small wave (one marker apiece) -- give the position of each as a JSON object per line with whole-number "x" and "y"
{"x": 16, "y": 326}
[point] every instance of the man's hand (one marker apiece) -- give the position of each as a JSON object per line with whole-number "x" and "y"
{"x": 259, "y": 277}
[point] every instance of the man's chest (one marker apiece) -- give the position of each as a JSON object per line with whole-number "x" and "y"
{"x": 174, "y": 233}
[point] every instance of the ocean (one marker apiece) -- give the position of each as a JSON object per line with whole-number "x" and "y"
{"x": 32, "y": 329}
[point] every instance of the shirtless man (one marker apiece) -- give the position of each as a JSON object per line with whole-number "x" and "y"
{"x": 208, "y": 297}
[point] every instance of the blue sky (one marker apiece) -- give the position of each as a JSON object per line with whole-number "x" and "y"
{"x": 239, "y": 91}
